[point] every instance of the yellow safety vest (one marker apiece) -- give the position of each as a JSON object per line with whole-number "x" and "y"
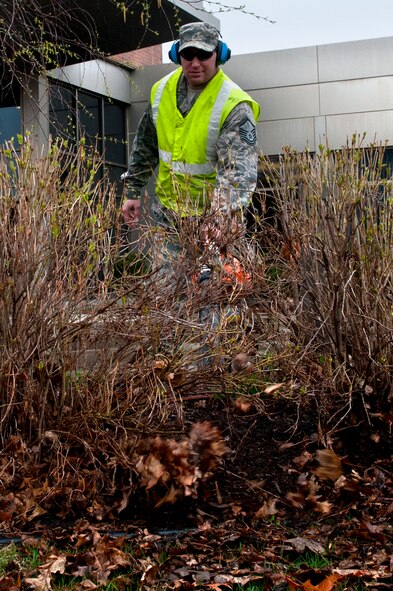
{"x": 187, "y": 144}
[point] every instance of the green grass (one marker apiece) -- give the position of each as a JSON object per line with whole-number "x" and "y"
{"x": 257, "y": 586}
{"x": 26, "y": 557}
{"x": 27, "y": 560}
{"x": 7, "y": 554}
{"x": 65, "y": 584}
{"x": 311, "y": 560}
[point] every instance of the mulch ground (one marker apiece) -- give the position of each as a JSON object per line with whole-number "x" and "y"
{"x": 292, "y": 505}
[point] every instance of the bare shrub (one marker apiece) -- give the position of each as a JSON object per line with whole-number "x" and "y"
{"x": 333, "y": 291}
{"x": 98, "y": 345}
{"x": 101, "y": 346}
{"x": 59, "y": 245}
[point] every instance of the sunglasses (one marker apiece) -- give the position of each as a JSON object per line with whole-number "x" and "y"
{"x": 201, "y": 55}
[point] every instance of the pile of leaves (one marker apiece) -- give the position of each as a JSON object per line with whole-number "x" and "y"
{"x": 179, "y": 467}
{"x": 292, "y": 514}
{"x": 167, "y": 469}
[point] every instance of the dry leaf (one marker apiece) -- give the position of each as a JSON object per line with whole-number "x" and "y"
{"x": 37, "y": 511}
{"x": 242, "y": 363}
{"x": 9, "y": 583}
{"x": 40, "y": 583}
{"x": 304, "y": 457}
{"x": 87, "y": 584}
{"x": 285, "y": 446}
{"x": 152, "y": 471}
{"x": 242, "y": 404}
{"x": 291, "y": 251}
{"x": 326, "y": 585}
{"x": 170, "y": 497}
{"x": 268, "y": 508}
{"x": 301, "y": 544}
{"x": 159, "y": 364}
{"x": 124, "y": 500}
{"x": 272, "y": 388}
{"x": 367, "y": 531}
{"x": 56, "y": 564}
{"x": 323, "y": 507}
{"x": 296, "y": 499}
{"x": 236, "y": 509}
{"x": 293, "y": 586}
{"x": 355, "y": 572}
{"x": 181, "y": 465}
{"x": 330, "y": 466}
{"x": 201, "y": 577}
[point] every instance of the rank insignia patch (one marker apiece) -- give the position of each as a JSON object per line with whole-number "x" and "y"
{"x": 248, "y": 132}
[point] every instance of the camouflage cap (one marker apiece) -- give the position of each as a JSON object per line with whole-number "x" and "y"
{"x": 199, "y": 35}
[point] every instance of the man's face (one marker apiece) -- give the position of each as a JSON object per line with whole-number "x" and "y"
{"x": 199, "y": 66}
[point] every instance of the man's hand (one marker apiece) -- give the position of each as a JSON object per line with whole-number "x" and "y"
{"x": 131, "y": 212}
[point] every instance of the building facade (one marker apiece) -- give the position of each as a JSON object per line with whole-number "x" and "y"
{"x": 309, "y": 96}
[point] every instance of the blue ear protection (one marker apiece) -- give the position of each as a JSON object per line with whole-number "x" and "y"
{"x": 173, "y": 53}
{"x": 223, "y": 53}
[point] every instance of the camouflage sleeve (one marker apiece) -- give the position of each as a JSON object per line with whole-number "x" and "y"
{"x": 143, "y": 158}
{"x": 237, "y": 153}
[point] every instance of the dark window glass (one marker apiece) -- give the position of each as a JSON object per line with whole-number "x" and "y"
{"x": 115, "y": 140}
{"x": 388, "y": 162}
{"x": 114, "y": 173}
{"x": 10, "y": 125}
{"x": 76, "y": 114}
{"x": 62, "y": 114}
{"x": 90, "y": 119}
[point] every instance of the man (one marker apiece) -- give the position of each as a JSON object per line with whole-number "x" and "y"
{"x": 200, "y": 129}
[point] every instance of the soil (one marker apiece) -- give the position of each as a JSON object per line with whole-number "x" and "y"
{"x": 268, "y": 453}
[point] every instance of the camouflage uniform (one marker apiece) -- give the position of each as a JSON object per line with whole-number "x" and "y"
{"x": 237, "y": 153}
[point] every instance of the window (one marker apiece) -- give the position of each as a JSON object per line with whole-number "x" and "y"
{"x": 388, "y": 162}
{"x": 101, "y": 121}
{"x": 10, "y": 124}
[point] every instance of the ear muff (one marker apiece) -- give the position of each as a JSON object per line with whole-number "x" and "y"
{"x": 174, "y": 54}
{"x": 223, "y": 53}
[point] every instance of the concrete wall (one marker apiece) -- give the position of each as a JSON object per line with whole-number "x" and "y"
{"x": 34, "y": 106}
{"x": 98, "y": 76}
{"x": 311, "y": 95}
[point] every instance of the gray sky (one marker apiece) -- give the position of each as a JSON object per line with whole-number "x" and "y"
{"x": 302, "y": 23}
{"x": 299, "y": 23}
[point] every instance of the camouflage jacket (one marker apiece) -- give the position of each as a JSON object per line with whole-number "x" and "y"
{"x": 237, "y": 153}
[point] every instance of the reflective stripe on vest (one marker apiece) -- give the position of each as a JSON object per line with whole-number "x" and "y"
{"x": 215, "y": 118}
{"x": 183, "y": 167}
{"x": 158, "y": 96}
